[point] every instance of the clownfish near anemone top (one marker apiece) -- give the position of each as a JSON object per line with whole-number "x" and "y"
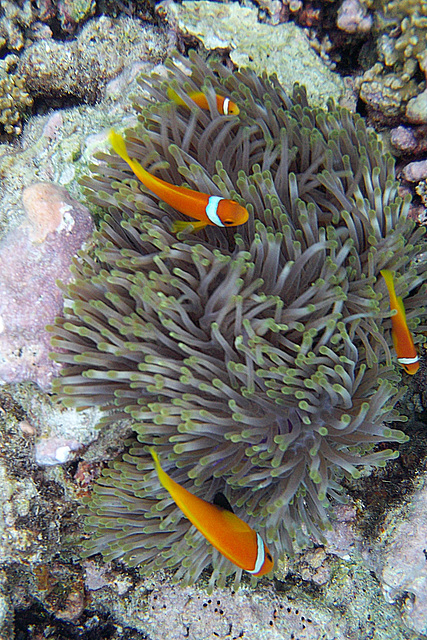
{"x": 407, "y": 355}
{"x": 230, "y": 535}
{"x": 206, "y": 209}
{"x": 225, "y": 106}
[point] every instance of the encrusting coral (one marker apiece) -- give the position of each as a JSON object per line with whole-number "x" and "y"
{"x": 393, "y": 80}
{"x": 14, "y": 99}
{"x": 257, "y": 362}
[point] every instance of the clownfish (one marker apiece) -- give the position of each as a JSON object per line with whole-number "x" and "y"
{"x": 230, "y": 535}
{"x": 225, "y": 106}
{"x": 208, "y": 210}
{"x": 407, "y": 355}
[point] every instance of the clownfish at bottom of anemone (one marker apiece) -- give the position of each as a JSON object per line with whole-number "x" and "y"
{"x": 407, "y": 355}
{"x": 206, "y": 209}
{"x": 230, "y": 535}
{"x": 225, "y": 106}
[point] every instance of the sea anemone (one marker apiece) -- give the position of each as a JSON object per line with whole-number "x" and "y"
{"x": 257, "y": 362}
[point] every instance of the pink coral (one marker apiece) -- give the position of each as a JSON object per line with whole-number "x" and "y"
{"x": 352, "y": 17}
{"x": 32, "y": 258}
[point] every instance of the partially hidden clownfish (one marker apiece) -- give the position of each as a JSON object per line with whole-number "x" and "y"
{"x": 230, "y": 535}
{"x": 225, "y": 106}
{"x": 407, "y": 355}
{"x": 206, "y": 209}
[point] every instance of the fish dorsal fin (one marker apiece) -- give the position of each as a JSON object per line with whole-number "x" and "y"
{"x": 221, "y": 501}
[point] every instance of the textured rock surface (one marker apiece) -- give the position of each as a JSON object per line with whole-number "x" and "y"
{"x": 80, "y": 69}
{"x": 32, "y": 258}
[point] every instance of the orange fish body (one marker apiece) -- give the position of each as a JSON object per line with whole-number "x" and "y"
{"x": 225, "y": 105}
{"x": 407, "y": 355}
{"x": 230, "y": 535}
{"x": 208, "y": 210}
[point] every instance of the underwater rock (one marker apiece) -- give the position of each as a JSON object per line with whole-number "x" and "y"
{"x": 416, "y": 109}
{"x": 415, "y": 171}
{"x": 16, "y": 16}
{"x": 403, "y": 139}
{"x": 230, "y": 26}
{"x": 72, "y": 12}
{"x": 352, "y": 17}
{"x": 80, "y": 69}
{"x": 50, "y": 451}
{"x": 32, "y": 258}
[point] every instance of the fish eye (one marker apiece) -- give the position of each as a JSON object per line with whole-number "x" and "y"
{"x": 269, "y": 557}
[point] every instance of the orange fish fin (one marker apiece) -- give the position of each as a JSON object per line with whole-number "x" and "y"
{"x": 172, "y": 95}
{"x": 117, "y": 142}
{"x": 401, "y": 307}
{"x": 183, "y": 225}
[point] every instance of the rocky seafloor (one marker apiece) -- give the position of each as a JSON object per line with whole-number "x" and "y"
{"x": 370, "y": 579}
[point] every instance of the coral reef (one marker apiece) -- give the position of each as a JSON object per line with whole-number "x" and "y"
{"x": 392, "y": 85}
{"x": 80, "y": 69}
{"x": 32, "y": 257}
{"x": 259, "y": 363}
{"x": 72, "y": 12}
{"x": 352, "y": 17}
{"x": 14, "y": 99}
{"x": 15, "y": 17}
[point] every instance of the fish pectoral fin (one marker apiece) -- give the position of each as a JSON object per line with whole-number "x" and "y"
{"x": 183, "y": 225}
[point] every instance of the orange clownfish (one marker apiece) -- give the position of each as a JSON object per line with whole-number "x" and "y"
{"x": 225, "y": 106}
{"x": 212, "y": 210}
{"x": 407, "y": 355}
{"x": 230, "y": 535}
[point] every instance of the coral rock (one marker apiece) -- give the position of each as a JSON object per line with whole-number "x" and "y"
{"x": 80, "y": 69}
{"x": 14, "y": 99}
{"x": 416, "y": 109}
{"x": 29, "y": 296}
{"x": 352, "y": 17}
{"x": 48, "y": 209}
{"x": 415, "y": 171}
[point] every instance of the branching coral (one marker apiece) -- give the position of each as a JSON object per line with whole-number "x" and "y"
{"x": 258, "y": 363}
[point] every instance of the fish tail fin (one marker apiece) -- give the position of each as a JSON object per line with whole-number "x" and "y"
{"x": 154, "y": 456}
{"x": 172, "y": 95}
{"x": 401, "y": 307}
{"x": 389, "y": 280}
{"x": 118, "y": 143}
{"x": 183, "y": 225}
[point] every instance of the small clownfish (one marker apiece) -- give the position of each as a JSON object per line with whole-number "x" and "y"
{"x": 225, "y": 106}
{"x": 230, "y": 535}
{"x": 208, "y": 210}
{"x": 407, "y": 355}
